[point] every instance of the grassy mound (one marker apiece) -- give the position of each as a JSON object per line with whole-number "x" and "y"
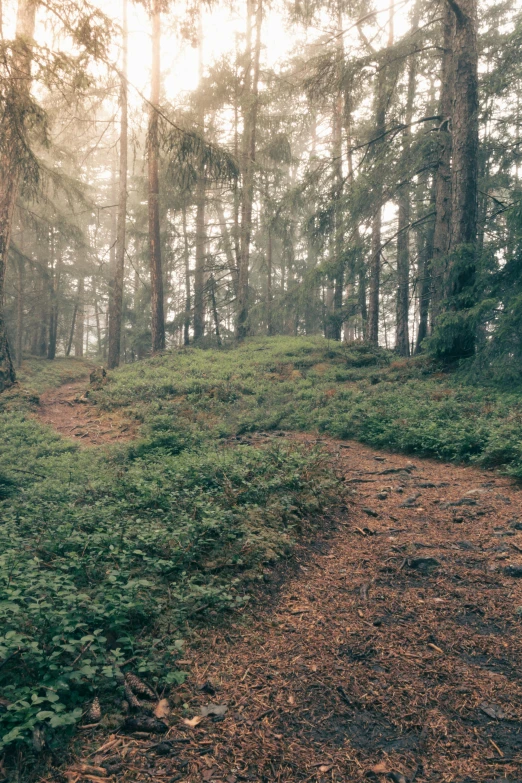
{"x": 310, "y": 384}
{"x": 104, "y": 553}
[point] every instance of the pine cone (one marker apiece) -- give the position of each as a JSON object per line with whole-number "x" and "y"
{"x": 138, "y": 686}
{"x": 94, "y": 713}
{"x": 135, "y": 704}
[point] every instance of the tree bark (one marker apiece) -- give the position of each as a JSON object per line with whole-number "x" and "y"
{"x": 20, "y": 312}
{"x": 54, "y": 290}
{"x": 442, "y": 230}
{"x": 376, "y": 244}
{"x": 156, "y": 273}
{"x": 460, "y": 337}
{"x": 215, "y": 310}
{"x": 269, "y": 291}
{"x": 10, "y": 165}
{"x": 465, "y": 137}
{"x": 402, "y": 339}
{"x": 335, "y": 325}
{"x": 227, "y": 244}
{"x": 201, "y": 239}
{"x": 186, "y": 258}
{"x": 116, "y": 301}
{"x": 80, "y": 320}
{"x": 424, "y": 256}
{"x": 71, "y": 333}
{"x": 338, "y": 278}
{"x": 249, "y": 155}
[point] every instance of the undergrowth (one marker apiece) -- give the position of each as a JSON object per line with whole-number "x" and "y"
{"x": 311, "y": 384}
{"x": 106, "y": 552}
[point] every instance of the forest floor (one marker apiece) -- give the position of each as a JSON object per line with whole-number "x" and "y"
{"x": 69, "y": 412}
{"x": 389, "y": 650}
{"x": 184, "y": 522}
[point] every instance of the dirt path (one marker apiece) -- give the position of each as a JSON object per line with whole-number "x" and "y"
{"x": 71, "y": 414}
{"x": 394, "y": 654}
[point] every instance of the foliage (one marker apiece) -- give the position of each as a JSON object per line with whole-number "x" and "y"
{"x": 347, "y": 391}
{"x": 104, "y": 554}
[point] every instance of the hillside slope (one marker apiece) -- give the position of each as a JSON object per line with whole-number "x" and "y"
{"x": 106, "y": 551}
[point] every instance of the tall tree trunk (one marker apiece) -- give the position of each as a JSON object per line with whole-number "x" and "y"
{"x": 338, "y": 279}
{"x": 465, "y": 138}
{"x": 116, "y": 301}
{"x": 376, "y": 244}
{"x": 43, "y": 310}
{"x": 97, "y": 319}
{"x": 464, "y": 180}
{"x": 201, "y": 239}
{"x": 442, "y": 230}
{"x": 20, "y": 313}
{"x": 381, "y": 100}
{"x": 351, "y": 301}
{"x": 215, "y": 313}
{"x": 156, "y": 274}
{"x": 402, "y": 339}
{"x": 249, "y": 155}
{"x": 227, "y": 244}
{"x": 337, "y": 150}
{"x": 54, "y": 290}
{"x": 186, "y": 258}
{"x": 375, "y": 273}
{"x": 18, "y": 94}
{"x": 80, "y": 320}
{"x": 424, "y": 256}
{"x": 71, "y": 333}
{"x": 269, "y": 294}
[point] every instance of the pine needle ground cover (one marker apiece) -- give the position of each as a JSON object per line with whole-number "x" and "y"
{"x": 106, "y": 552}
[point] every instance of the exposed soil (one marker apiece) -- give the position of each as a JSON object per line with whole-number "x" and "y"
{"x": 70, "y": 412}
{"x": 394, "y": 653}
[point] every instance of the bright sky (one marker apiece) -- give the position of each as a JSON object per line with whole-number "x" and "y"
{"x": 221, "y": 25}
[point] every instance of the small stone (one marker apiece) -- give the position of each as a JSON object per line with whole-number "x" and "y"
{"x": 514, "y": 570}
{"x": 423, "y": 564}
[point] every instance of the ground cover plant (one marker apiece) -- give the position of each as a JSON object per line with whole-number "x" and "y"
{"x": 105, "y": 552}
{"x": 312, "y": 384}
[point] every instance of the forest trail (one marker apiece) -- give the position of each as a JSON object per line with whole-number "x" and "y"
{"x": 392, "y": 651}
{"x": 69, "y": 412}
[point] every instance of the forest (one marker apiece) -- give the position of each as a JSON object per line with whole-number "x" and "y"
{"x": 260, "y": 391}
{"x": 360, "y": 181}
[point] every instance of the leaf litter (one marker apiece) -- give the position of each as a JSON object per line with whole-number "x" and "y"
{"x": 423, "y": 685}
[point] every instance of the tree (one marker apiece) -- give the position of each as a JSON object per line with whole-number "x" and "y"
{"x": 456, "y": 329}
{"x": 16, "y": 159}
{"x": 251, "y": 88}
{"x": 402, "y": 340}
{"x": 153, "y": 154}
{"x": 199, "y": 276}
{"x": 116, "y": 286}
